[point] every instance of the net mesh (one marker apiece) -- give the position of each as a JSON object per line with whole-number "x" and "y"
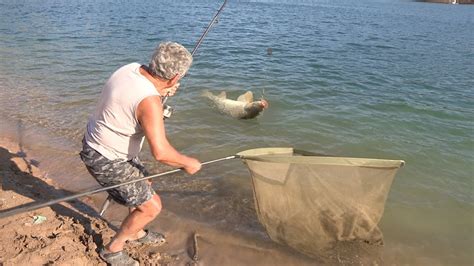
{"x": 311, "y": 202}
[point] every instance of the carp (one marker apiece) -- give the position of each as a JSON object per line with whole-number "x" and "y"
{"x": 242, "y": 108}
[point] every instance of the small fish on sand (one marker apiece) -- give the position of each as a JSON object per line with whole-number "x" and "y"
{"x": 243, "y": 108}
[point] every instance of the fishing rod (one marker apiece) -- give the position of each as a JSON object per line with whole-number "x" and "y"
{"x": 31, "y": 206}
{"x": 208, "y": 28}
{"x": 168, "y": 110}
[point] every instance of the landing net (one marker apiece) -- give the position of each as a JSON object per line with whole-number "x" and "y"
{"x": 311, "y": 202}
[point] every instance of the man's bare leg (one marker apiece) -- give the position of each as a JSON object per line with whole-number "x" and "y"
{"x": 140, "y": 233}
{"x": 134, "y": 223}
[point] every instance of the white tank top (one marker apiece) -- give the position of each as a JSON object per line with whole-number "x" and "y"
{"x": 114, "y": 130}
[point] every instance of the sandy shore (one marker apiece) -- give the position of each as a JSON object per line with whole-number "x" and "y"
{"x": 71, "y": 233}
{"x": 61, "y": 234}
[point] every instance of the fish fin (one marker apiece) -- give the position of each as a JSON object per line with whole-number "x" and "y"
{"x": 222, "y": 95}
{"x": 246, "y": 97}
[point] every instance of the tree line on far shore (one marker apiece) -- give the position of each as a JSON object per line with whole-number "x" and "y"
{"x": 449, "y": 1}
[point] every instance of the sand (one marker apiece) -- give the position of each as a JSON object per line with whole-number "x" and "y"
{"x": 66, "y": 236}
{"x": 71, "y": 233}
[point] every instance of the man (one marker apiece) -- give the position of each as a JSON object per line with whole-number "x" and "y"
{"x": 128, "y": 110}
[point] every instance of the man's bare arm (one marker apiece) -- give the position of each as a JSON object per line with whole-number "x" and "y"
{"x": 150, "y": 116}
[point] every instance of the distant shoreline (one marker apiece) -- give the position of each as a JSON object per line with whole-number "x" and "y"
{"x": 448, "y": 1}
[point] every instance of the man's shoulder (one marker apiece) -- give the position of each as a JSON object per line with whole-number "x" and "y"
{"x": 129, "y": 67}
{"x": 133, "y": 65}
{"x": 128, "y": 72}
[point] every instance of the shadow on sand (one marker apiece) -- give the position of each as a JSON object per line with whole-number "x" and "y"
{"x": 23, "y": 181}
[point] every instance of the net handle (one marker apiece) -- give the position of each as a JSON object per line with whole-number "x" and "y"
{"x": 34, "y": 206}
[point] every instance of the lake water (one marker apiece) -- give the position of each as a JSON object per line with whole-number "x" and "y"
{"x": 372, "y": 78}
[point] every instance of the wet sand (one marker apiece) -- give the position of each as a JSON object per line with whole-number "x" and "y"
{"x": 72, "y": 232}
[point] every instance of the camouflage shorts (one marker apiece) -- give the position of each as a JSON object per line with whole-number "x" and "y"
{"x": 110, "y": 172}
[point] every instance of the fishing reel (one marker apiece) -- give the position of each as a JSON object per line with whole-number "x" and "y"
{"x": 167, "y": 111}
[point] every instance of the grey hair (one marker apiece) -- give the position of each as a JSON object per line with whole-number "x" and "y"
{"x": 169, "y": 59}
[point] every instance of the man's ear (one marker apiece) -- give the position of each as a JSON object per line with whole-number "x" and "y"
{"x": 173, "y": 80}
